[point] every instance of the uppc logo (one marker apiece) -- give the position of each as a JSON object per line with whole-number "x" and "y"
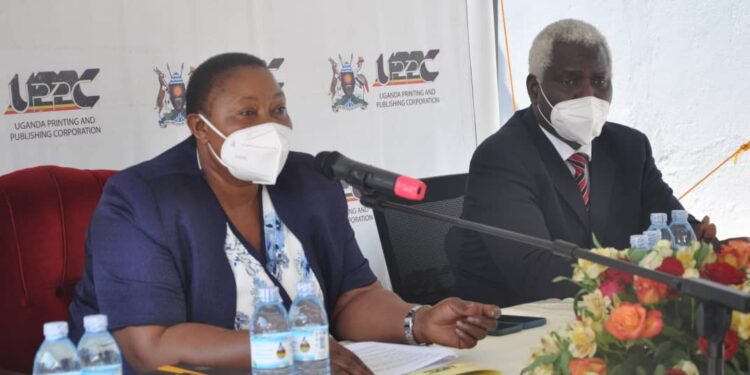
{"x": 406, "y": 67}
{"x": 49, "y": 91}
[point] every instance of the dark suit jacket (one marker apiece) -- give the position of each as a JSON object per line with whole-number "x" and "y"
{"x": 155, "y": 244}
{"x": 518, "y": 181}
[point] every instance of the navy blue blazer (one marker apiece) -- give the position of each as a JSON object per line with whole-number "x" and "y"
{"x": 155, "y": 244}
{"x": 518, "y": 181}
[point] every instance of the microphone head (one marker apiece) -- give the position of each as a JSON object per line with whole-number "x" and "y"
{"x": 324, "y": 160}
{"x": 409, "y": 188}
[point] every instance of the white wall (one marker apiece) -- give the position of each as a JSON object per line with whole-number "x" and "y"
{"x": 680, "y": 75}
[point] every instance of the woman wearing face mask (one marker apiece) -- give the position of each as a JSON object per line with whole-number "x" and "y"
{"x": 179, "y": 244}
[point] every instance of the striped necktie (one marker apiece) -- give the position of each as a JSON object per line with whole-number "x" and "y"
{"x": 579, "y": 162}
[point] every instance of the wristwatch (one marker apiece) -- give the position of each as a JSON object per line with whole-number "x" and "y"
{"x": 409, "y": 325}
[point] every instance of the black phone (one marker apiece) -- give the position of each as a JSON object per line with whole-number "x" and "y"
{"x": 505, "y": 328}
{"x": 525, "y": 321}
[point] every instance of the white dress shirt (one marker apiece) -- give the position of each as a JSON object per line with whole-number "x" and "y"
{"x": 565, "y": 151}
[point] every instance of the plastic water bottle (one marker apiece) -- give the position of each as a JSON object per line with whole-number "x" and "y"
{"x": 681, "y": 229}
{"x": 309, "y": 325}
{"x": 270, "y": 341}
{"x": 639, "y": 241}
{"x": 98, "y": 349}
{"x": 659, "y": 222}
{"x": 653, "y": 236}
{"x": 57, "y": 355}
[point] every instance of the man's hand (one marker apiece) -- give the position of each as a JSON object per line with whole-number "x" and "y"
{"x": 705, "y": 230}
{"x": 343, "y": 361}
{"x": 455, "y": 322}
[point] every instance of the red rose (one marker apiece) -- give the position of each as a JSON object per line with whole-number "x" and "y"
{"x": 722, "y": 273}
{"x": 654, "y": 324}
{"x": 671, "y": 266}
{"x": 649, "y": 291}
{"x": 610, "y": 288}
{"x": 621, "y": 277}
{"x": 731, "y": 345}
{"x": 587, "y": 366}
{"x": 675, "y": 371}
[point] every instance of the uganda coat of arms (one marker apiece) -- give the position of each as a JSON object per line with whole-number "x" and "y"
{"x": 348, "y": 85}
{"x": 170, "y": 101}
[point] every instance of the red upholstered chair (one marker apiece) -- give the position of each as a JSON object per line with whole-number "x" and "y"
{"x": 44, "y": 213}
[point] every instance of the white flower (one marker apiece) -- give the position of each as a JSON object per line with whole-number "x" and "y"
{"x": 652, "y": 260}
{"x": 741, "y": 324}
{"x": 710, "y": 257}
{"x": 591, "y": 269}
{"x": 582, "y": 340}
{"x": 536, "y": 352}
{"x": 664, "y": 248}
{"x": 578, "y": 274}
{"x": 545, "y": 369}
{"x": 686, "y": 256}
{"x": 688, "y": 367}
{"x": 691, "y": 272}
{"x": 597, "y": 304}
{"x": 550, "y": 344}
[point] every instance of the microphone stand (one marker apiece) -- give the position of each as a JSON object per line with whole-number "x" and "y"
{"x": 716, "y": 301}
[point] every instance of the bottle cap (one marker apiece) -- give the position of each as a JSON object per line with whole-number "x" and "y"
{"x": 639, "y": 241}
{"x": 55, "y": 330}
{"x": 679, "y": 216}
{"x": 269, "y": 294}
{"x": 95, "y": 323}
{"x": 659, "y": 218}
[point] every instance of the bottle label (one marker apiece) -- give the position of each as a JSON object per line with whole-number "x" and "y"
{"x": 310, "y": 343}
{"x": 271, "y": 350}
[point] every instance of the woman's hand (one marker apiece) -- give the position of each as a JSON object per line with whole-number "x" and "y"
{"x": 455, "y": 322}
{"x": 343, "y": 361}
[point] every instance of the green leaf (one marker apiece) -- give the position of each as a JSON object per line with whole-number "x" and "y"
{"x": 648, "y": 343}
{"x": 564, "y": 362}
{"x": 679, "y": 355}
{"x": 562, "y": 278}
{"x": 641, "y": 371}
{"x": 617, "y": 369}
{"x": 660, "y": 370}
{"x": 635, "y": 255}
{"x": 595, "y": 240}
{"x": 700, "y": 255}
{"x": 669, "y": 331}
{"x": 541, "y": 360}
{"x": 735, "y": 362}
{"x": 661, "y": 354}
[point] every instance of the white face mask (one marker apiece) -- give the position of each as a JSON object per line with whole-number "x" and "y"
{"x": 577, "y": 120}
{"x": 256, "y": 153}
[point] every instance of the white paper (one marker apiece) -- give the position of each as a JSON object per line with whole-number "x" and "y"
{"x": 390, "y": 359}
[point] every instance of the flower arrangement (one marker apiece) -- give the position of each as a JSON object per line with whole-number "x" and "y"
{"x": 628, "y": 324}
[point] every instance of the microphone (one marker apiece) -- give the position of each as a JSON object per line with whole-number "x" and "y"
{"x": 368, "y": 178}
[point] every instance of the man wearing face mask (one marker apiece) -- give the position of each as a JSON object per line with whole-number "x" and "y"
{"x": 558, "y": 170}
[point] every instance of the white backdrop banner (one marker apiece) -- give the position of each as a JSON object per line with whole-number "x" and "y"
{"x": 93, "y": 84}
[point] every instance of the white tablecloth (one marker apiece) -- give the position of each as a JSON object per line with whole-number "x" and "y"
{"x": 509, "y": 353}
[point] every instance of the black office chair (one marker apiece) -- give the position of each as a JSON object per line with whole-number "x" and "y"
{"x": 414, "y": 247}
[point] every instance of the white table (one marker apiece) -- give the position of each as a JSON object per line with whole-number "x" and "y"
{"x": 510, "y": 353}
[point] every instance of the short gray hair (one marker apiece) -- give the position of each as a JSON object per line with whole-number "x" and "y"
{"x": 567, "y": 30}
